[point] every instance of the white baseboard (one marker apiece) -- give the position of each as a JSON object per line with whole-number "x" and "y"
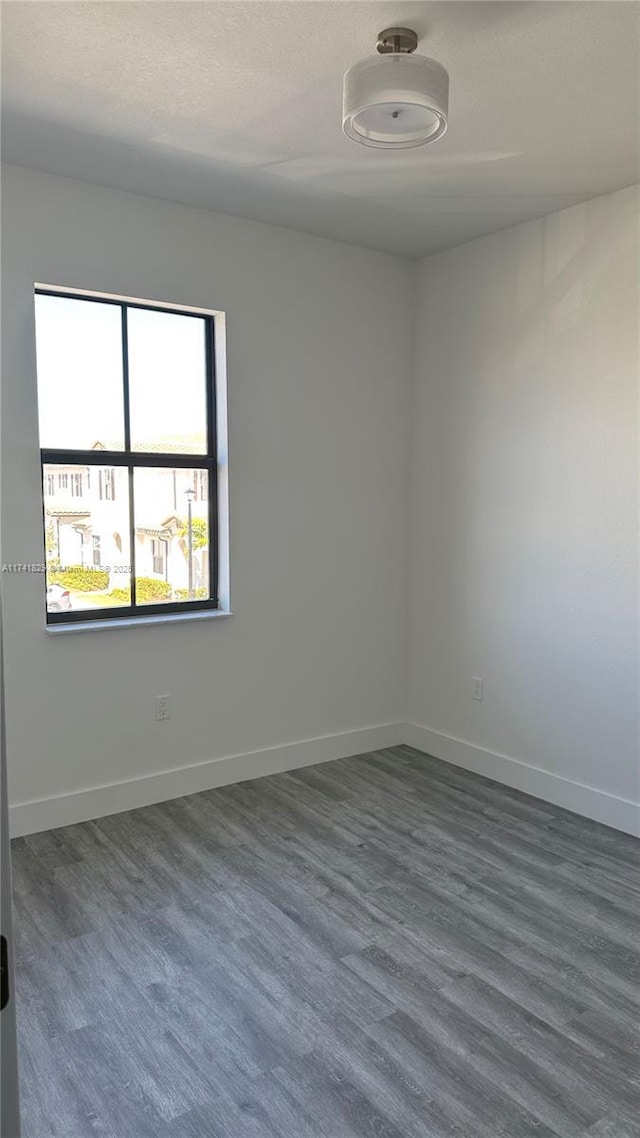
{"x": 98, "y": 801}
{"x": 621, "y": 813}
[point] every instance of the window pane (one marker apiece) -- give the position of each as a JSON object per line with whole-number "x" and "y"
{"x": 86, "y": 539}
{"x": 167, "y": 382}
{"x": 171, "y": 510}
{"x": 79, "y": 356}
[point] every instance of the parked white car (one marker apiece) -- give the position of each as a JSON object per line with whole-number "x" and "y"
{"x": 58, "y": 599}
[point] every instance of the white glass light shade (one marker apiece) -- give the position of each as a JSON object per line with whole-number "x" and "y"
{"x": 395, "y": 101}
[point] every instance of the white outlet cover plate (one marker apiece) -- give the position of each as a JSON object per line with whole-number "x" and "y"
{"x": 163, "y": 707}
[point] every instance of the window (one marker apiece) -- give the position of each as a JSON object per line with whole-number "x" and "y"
{"x": 107, "y": 485}
{"x": 126, "y": 396}
{"x": 200, "y": 485}
{"x": 157, "y": 552}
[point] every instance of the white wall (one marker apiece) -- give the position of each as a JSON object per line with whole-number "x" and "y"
{"x": 319, "y": 367}
{"x": 524, "y": 515}
{"x": 522, "y": 524}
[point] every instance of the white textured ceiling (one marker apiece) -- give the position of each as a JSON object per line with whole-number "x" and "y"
{"x": 236, "y": 107}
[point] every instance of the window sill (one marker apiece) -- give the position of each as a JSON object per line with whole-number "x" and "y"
{"x": 136, "y": 621}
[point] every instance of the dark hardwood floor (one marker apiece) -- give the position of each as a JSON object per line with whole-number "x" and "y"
{"x": 380, "y": 947}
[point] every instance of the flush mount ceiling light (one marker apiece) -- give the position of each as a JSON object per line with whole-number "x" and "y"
{"x": 395, "y": 100}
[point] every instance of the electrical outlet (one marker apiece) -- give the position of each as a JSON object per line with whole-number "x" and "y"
{"x": 163, "y": 707}
{"x": 477, "y": 688}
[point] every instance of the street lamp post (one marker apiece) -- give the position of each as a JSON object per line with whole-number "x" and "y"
{"x": 190, "y": 496}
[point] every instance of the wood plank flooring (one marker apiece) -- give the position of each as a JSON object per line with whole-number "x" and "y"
{"x": 380, "y": 947}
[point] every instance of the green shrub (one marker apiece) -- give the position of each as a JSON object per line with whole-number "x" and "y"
{"x": 123, "y": 595}
{"x": 80, "y": 579}
{"x": 148, "y": 589}
{"x": 200, "y": 594}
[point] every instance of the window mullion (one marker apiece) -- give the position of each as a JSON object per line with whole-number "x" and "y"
{"x": 125, "y": 379}
{"x": 132, "y": 538}
{"x": 127, "y": 447}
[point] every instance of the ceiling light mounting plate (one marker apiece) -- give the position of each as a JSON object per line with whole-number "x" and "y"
{"x": 402, "y": 41}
